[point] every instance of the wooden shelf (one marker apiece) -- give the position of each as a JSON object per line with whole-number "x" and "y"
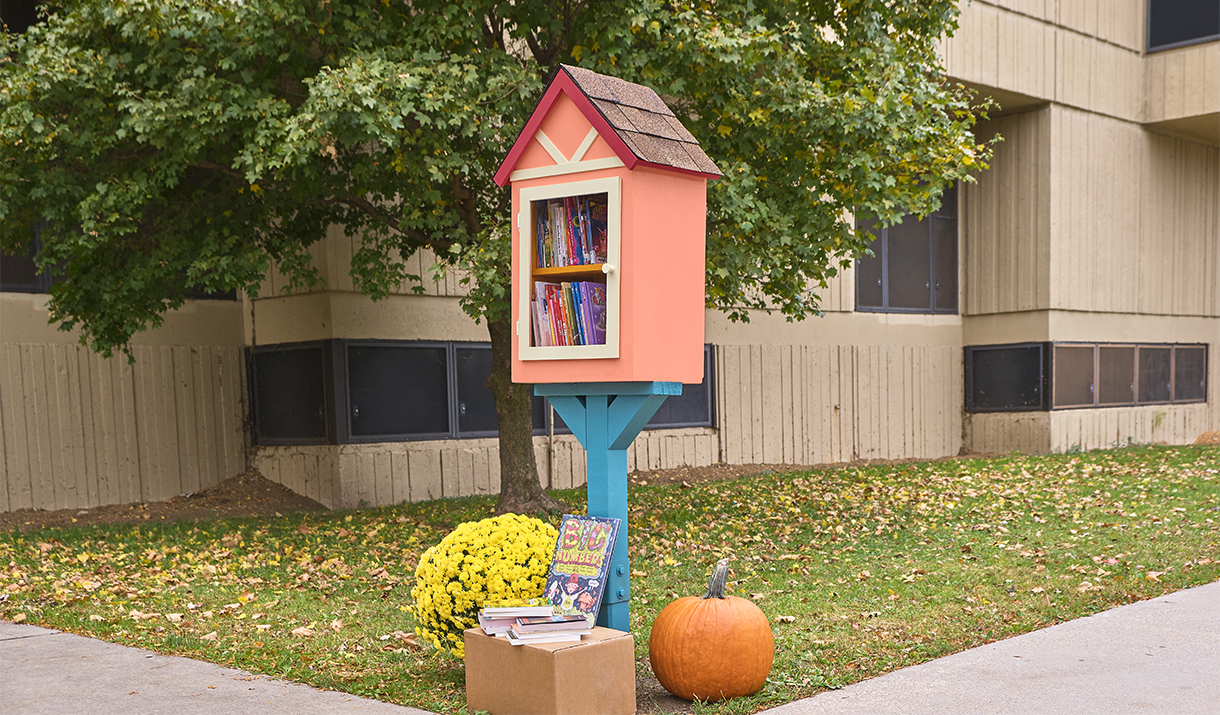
{"x": 582, "y": 272}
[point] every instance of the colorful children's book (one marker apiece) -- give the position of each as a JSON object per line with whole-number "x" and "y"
{"x": 577, "y": 577}
{"x": 599, "y": 225}
{"x": 597, "y": 313}
{"x": 541, "y": 624}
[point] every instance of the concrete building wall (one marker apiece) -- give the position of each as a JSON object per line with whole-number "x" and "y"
{"x": 1098, "y": 221}
{"x": 79, "y": 430}
{"x": 1006, "y": 219}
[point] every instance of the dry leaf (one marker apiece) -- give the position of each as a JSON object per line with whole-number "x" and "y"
{"x": 1154, "y": 576}
{"x": 785, "y": 619}
{"x": 302, "y": 631}
{"x": 19, "y": 618}
{"x": 209, "y": 637}
{"x": 263, "y": 626}
{"x": 174, "y": 617}
{"x": 864, "y": 575}
{"x": 96, "y": 618}
{"x": 758, "y": 596}
{"x": 336, "y": 625}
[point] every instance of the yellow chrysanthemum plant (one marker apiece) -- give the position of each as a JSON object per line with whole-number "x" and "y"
{"x": 503, "y": 557}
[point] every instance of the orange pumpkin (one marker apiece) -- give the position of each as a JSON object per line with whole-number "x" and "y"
{"x": 714, "y": 647}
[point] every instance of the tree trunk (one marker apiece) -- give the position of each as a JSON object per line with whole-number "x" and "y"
{"x": 520, "y": 491}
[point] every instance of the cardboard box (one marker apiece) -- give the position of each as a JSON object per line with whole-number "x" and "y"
{"x": 593, "y": 677}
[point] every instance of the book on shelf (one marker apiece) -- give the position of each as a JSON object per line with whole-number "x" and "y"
{"x": 576, "y": 580}
{"x": 569, "y": 313}
{"x": 543, "y": 624}
{"x": 570, "y": 231}
{"x": 597, "y": 312}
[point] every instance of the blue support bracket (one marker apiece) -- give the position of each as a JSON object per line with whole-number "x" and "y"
{"x": 606, "y": 417}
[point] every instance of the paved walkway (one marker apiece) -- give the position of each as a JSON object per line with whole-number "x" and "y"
{"x": 45, "y": 672}
{"x": 1159, "y": 656}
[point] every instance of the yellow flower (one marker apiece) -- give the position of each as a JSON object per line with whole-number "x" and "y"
{"x": 493, "y": 559}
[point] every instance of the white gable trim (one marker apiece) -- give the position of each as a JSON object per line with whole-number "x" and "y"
{"x": 574, "y": 167}
{"x": 584, "y": 145}
{"x": 550, "y": 147}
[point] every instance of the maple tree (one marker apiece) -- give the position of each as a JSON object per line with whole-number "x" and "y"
{"x": 190, "y": 144}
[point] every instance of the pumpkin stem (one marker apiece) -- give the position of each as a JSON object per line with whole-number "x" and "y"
{"x": 715, "y": 587}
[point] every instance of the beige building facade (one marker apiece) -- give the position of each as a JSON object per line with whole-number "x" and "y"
{"x": 1088, "y": 252}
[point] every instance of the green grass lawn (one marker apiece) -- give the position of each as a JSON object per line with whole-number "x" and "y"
{"x": 860, "y": 570}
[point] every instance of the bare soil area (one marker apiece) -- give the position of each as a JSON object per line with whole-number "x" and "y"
{"x": 246, "y": 494}
{"x": 250, "y": 494}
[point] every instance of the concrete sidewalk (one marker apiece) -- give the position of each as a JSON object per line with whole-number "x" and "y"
{"x": 1159, "y": 656}
{"x": 45, "y": 672}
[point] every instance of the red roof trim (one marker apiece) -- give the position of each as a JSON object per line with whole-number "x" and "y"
{"x": 562, "y": 82}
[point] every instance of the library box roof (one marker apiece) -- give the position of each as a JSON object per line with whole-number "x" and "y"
{"x": 629, "y": 117}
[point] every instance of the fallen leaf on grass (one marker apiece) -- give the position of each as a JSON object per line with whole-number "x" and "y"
{"x": 758, "y": 596}
{"x": 174, "y": 617}
{"x": 336, "y": 625}
{"x": 785, "y": 619}
{"x": 19, "y": 618}
{"x": 209, "y": 637}
{"x": 1154, "y": 576}
{"x": 302, "y": 631}
{"x": 408, "y": 640}
{"x": 263, "y": 626}
{"x": 96, "y": 618}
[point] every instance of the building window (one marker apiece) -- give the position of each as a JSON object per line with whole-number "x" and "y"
{"x": 913, "y": 268}
{"x": 1177, "y": 23}
{"x": 1010, "y": 378}
{"x": 342, "y": 392}
{"x": 19, "y": 273}
{"x": 19, "y": 15}
{"x": 1006, "y": 378}
{"x": 1110, "y": 375}
{"x": 397, "y": 392}
{"x": 695, "y": 407}
{"x": 290, "y": 390}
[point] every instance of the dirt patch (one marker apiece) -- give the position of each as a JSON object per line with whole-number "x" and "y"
{"x": 251, "y": 494}
{"x": 248, "y": 494}
{"x": 1208, "y": 438}
{"x": 651, "y": 698}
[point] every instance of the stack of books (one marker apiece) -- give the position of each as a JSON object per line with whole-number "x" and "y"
{"x": 497, "y": 618}
{"x": 548, "y": 629}
{"x": 569, "y": 313}
{"x": 571, "y": 231}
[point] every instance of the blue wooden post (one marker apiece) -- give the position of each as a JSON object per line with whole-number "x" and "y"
{"x": 606, "y": 417}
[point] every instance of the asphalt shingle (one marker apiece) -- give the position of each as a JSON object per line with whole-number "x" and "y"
{"x": 643, "y": 121}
